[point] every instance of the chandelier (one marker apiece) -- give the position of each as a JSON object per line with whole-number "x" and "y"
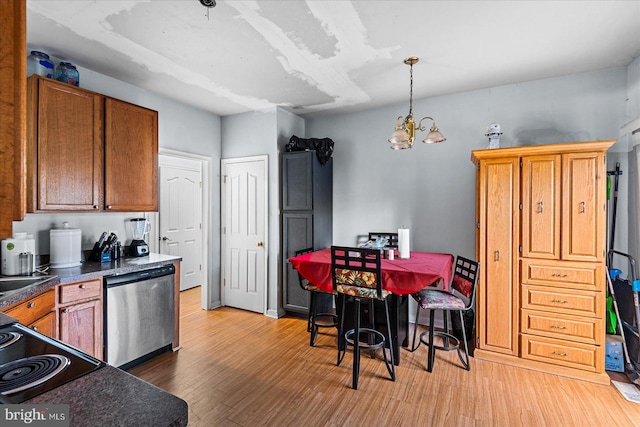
{"x": 405, "y": 132}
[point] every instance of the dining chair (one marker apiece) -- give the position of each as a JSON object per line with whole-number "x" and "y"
{"x": 460, "y": 299}
{"x": 357, "y": 275}
{"x": 391, "y": 237}
{"x": 312, "y": 320}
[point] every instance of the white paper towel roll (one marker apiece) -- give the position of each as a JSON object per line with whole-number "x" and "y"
{"x": 403, "y": 243}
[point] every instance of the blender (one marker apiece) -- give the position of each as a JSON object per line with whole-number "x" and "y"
{"x": 139, "y": 227}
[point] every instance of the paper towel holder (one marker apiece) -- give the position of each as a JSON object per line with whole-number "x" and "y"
{"x": 403, "y": 243}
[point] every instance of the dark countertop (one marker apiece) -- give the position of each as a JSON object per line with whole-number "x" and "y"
{"x": 112, "y": 397}
{"x": 88, "y": 270}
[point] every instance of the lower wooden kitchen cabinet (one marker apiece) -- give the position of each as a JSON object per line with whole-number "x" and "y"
{"x": 79, "y": 308}
{"x": 37, "y": 313}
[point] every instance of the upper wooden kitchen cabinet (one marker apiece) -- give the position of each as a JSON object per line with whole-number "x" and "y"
{"x": 541, "y": 218}
{"x": 13, "y": 55}
{"x": 131, "y": 157}
{"x": 88, "y": 152}
{"x": 65, "y": 151}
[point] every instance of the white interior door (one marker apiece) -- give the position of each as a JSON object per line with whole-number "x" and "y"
{"x": 181, "y": 217}
{"x": 244, "y": 199}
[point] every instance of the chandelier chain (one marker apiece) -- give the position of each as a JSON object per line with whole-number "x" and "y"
{"x": 411, "y": 90}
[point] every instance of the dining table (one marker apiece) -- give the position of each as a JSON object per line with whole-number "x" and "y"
{"x": 400, "y": 276}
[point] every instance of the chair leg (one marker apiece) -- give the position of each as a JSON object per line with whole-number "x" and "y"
{"x": 311, "y": 309}
{"x": 464, "y": 361}
{"x": 432, "y": 349}
{"x": 390, "y": 367}
{"x": 313, "y": 332}
{"x": 445, "y": 322}
{"x": 342, "y": 341}
{"x": 356, "y": 345}
{"x": 415, "y": 331}
{"x": 372, "y": 325}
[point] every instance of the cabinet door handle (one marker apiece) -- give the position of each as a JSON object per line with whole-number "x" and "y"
{"x": 108, "y": 206}
{"x": 35, "y": 328}
{"x": 558, "y": 327}
{"x": 540, "y": 207}
{"x": 82, "y": 286}
{"x": 66, "y": 310}
{"x": 95, "y": 206}
{"x": 165, "y": 238}
{"x": 559, "y": 275}
{"x": 559, "y": 301}
{"x": 556, "y": 353}
{"x": 496, "y": 256}
{"x": 31, "y": 305}
{"x": 582, "y": 207}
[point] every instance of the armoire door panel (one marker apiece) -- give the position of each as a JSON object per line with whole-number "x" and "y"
{"x": 541, "y": 176}
{"x": 496, "y": 298}
{"x": 582, "y": 233}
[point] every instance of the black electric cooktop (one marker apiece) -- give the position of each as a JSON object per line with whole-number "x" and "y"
{"x": 31, "y": 363}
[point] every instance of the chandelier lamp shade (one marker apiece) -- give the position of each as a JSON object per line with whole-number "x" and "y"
{"x": 405, "y": 132}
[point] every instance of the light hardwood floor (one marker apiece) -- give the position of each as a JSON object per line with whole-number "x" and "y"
{"x": 237, "y": 368}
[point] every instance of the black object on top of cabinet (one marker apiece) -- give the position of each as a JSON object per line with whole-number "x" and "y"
{"x": 323, "y": 147}
{"x": 307, "y": 194}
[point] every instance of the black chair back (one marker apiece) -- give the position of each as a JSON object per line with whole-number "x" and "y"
{"x": 356, "y": 271}
{"x": 391, "y": 237}
{"x": 465, "y": 278}
{"x": 303, "y": 282}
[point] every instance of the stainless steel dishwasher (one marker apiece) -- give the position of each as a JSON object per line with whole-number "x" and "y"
{"x": 139, "y": 315}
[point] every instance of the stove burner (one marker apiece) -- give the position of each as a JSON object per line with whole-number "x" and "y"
{"x": 29, "y": 372}
{"x": 8, "y": 338}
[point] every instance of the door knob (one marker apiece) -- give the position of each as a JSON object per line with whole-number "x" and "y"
{"x": 165, "y": 238}
{"x": 260, "y": 244}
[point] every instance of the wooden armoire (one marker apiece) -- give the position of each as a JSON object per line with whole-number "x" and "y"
{"x": 541, "y": 243}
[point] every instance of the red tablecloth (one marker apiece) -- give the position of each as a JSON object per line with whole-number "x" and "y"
{"x": 400, "y": 276}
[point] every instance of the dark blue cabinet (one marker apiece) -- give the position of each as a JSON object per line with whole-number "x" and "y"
{"x": 307, "y": 207}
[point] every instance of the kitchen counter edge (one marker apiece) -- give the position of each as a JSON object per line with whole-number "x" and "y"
{"x": 87, "y": 271}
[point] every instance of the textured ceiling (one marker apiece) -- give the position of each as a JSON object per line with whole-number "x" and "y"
{"x": 319, "y": 56}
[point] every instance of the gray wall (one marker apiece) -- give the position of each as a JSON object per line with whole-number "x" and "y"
{"x": 431, "y": 188}
{"x": 264, "y": 133}
{"x": 180, "y": 127}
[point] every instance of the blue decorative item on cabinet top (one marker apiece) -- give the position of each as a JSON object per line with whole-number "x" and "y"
{"x": 40, "y": 64}
{"x": 66, "y": 72}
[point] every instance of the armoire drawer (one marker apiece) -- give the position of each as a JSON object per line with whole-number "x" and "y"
{"x": 565, "y": 353}
{"x": 567, "y": 301}
{"x": 574, "y": 275}
{"x": 588, "y": 330}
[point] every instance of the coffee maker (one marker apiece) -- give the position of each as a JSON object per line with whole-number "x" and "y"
{"x": 139, "y": 227}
